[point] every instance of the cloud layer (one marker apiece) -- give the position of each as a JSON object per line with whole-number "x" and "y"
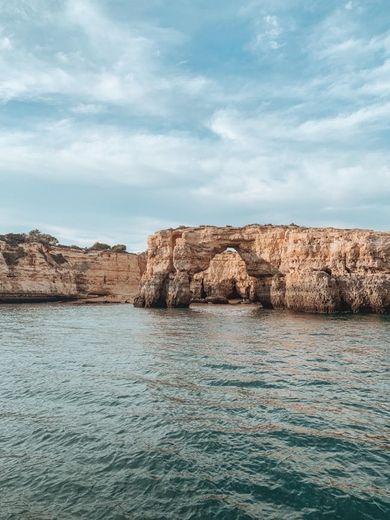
{"x": 118, "y": 121}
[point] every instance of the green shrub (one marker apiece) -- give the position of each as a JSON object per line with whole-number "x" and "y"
{"x": 99, "y": 246}
{"x": 119, "y": 248}
{"x": 43, "y": 238}
{"x": 14, "y": 239}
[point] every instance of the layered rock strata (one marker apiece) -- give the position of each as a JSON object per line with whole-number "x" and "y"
{"x": 226, "y": 278}
{"x": 291, "y": 267}
{"x": 33, "y": 272}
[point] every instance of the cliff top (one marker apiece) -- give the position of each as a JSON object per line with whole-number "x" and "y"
{"x": 36, "y": 237}
{"x": 274, "y": 226}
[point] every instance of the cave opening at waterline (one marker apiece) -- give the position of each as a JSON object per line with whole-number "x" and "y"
{"x": 226, "y": 280}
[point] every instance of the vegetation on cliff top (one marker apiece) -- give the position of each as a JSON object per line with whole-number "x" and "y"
{"x": 16, "y": 239}
{"x": 100, "y": 246}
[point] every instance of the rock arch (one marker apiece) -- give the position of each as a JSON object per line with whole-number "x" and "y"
{"x": 309, "y": 269}
{"x": 224, "y": 280}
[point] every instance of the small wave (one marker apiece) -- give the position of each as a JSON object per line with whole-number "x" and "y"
{"x": 110, "y": 413}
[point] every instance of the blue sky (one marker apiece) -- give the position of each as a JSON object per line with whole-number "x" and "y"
{"x": 118, "y": 118}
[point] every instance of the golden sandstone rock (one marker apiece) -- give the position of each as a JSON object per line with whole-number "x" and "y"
{"x": 36, "y": 272}
{"x": 303, "y": 269}
{"x": 282, "y": 267}
{"x": 225, "y": 277}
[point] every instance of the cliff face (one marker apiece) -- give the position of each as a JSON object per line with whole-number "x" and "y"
{"x": 226, "y": 277}
{"x": 303, "y": 269}
{"x": 35, "y": 272}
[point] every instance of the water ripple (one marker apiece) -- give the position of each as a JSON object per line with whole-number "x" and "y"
{"x": 213, "y": 412}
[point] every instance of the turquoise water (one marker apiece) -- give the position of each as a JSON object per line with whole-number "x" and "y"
{"x": 111, "y": 412}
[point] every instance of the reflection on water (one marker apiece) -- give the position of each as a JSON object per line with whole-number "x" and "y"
{"x": 111, "y": 412}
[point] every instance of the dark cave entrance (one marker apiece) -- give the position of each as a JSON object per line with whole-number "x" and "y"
{"x": 203, "y": 293}
{"x": 234, "y": 294}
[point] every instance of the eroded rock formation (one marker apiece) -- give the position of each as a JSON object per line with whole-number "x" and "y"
{"x": 34, "y": 272}
{"x": 226, "y": 277}
{"x": 303, "y": 269}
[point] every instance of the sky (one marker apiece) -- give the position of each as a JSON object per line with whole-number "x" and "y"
{"x": 121, "y": 117}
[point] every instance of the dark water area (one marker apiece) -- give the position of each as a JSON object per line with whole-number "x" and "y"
{"x": 214, "y": 412}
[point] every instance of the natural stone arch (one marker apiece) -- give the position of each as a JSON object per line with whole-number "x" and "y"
{"x": 309, "y": 269}
{"x": 195, "y": 257}
{"x": 175, "y": 256}
{"x": 226, "y": 279}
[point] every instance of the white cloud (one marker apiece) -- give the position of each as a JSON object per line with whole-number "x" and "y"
{"x": 5, "y": 44}
{"x": 133, "y": 232}
{"x": 267, "y": 144}
{"x": 118, "y": 65}
{"x": 268, "y": 33}
{"x": 251, "y": 160}
{"x": 100, "y": 155}
{"x": 247, "y": 131}
{"x": 333, "y": 127}
{"x": 354, "y": 48}
{"x": 87, "y": 108}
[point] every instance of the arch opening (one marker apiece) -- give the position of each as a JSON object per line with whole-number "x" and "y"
{"x": 225, "y": 280}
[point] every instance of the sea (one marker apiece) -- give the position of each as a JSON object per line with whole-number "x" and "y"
{"x": 108, "y": 412}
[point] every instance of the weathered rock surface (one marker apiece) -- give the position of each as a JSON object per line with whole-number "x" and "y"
{"x": 226, "y": 277}
{"x": 33, "y": 272}
{"x": 303, "y": 269}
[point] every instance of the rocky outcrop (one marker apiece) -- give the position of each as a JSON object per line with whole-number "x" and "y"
{"x": 225, "y": 278}
{"x": 303, "y": 269}
{"x": 35, "y": 272}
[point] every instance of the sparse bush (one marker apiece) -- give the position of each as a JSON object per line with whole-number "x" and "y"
{"x": 99, "y": 246}
{"x": 14, "y": 239}
{"x": 119, "y": 248}
{"x": 43, "y": 238}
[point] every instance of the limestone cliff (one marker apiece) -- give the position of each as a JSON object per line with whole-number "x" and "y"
{"x": 303, "y": 269}
{"x": 34, "y": 272}
{"x": 226, "y": 277}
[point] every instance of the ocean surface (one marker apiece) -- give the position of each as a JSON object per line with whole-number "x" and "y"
{"x": 214, "y": 412}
